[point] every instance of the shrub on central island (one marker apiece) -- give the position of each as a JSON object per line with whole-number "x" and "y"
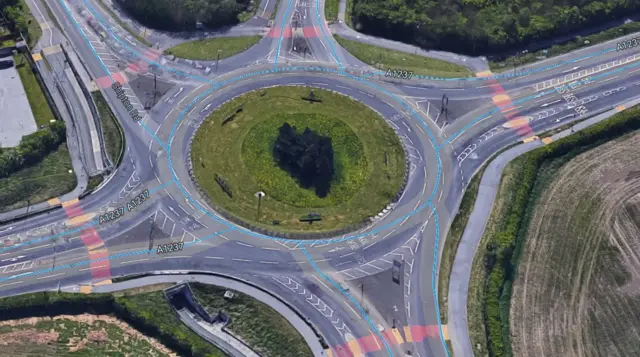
{"x": 306, "y": 156}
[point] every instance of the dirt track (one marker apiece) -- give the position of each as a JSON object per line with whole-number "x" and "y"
{"x": 577, "y": 292}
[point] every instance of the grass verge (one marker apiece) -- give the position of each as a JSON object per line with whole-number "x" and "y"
{"x": 111, "y": 129}
{"x": 207, "y": 49}
{"x": 382, "y": 148}
{"x": 37, "y": 101}
{"x": 263, "y": 328}
{"x": 47, "y": 179}
{"x": 384, "y": 58}
{"x": 556, "y": 50}
{"x": 331, "y": 9}
{"x": 33, "y": 27}
{"x": 94, "y": 181}
{"x": 496, "y": 262}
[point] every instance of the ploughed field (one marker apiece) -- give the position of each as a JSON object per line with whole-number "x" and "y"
{"x": 577, "y": 291}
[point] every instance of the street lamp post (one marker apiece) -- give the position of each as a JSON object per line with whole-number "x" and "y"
{"x": 218, "y": 60}
{"x": 259, "y": 194}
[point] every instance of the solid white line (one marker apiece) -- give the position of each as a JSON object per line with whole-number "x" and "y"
{"x": 346, "y": 255}
{"x": 134, "y": 261}
{"x": 350, "y": 308}
{"x": 321, "y": 282}
{"x": 265, "y": 8}
{"x": 15, "y": 282}
{"x": 41, "y": 246}
{"x": 322, "y": 260}
{"x": 178, "y": 256}
{"x": 100, "y": 266}
{"x": 388, "y": 234}
{"x": 50, "y": 276}
{"x": 223, "y": 236}
{"x": 267, "y": 248}
{"x": 245, "y": 244}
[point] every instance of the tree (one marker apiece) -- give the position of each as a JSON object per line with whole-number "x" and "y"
{"x": 308, "y": 157}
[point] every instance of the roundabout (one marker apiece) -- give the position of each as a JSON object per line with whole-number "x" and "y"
{"x": 237, "y": 147}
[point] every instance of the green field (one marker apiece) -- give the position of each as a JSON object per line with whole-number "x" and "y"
{"x": 350, "y": 162}
{"x": 369, "y": 172}
{"x": 47, "y": 179}
{"x": 111, "y": 129}
{"x": 331, "y": 9}
{"x": 38, "y": 102}
{"x": 207, "y": 49}
{"x": 389, "y": 59}
{"x": 264, "y": 329}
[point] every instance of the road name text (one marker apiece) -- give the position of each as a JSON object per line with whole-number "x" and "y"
{"x": 625, "y": 45}
{"x": 112, "y": 215}
{"x": 169, "y": 248}
{"x": 399, "y": 74}
{"x": 117, "y": 87}
{"x": 138, "y": 200}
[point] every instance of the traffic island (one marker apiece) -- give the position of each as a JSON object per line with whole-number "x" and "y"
{"x": 297, "y": 162}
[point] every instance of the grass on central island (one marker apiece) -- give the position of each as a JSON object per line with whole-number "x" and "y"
{"x": 384, "y": 58}
{"x": 207, "y": 49}
{"x": 369, "y": 160}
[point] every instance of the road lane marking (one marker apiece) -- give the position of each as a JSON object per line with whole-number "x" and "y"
{"x": 134, "y": 261}
{"x": 98, "y": 267}
{"x": 214, "y": 257}
{"x": 352, "y": 310}
{"x": 40, "y": 246}
{"x": 15, "y": 282}
{"x": 268, "y": 262}
{"x": 240, "y": 260}
{"x": 50, "y": 276}
{"x": 245, "y": 244}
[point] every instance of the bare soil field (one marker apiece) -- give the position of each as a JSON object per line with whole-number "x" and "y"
{"x": 79, "y": 335}
{"x": 577, "y": 290}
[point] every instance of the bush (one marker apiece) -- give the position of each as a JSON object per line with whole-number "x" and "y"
{"x": 179, "y": 15}
{"x": 32, "y": 149}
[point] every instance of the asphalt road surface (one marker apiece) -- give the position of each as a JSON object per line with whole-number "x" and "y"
{"x": 371, "y": 292}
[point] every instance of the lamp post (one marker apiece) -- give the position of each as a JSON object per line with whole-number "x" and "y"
{"x": 259, "y": 194}
{"x": 218, "y": 60}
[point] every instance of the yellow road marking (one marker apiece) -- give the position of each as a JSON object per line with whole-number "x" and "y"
{"x": 104, "y": 282}
{"x": 397, "y": 335}
{"x": 86, "y": 289}
{"x": 328, "y": 352}
{"x": 620, "y": 108}
{"x": 529, "y": 139}
{"x": 484, "y": 74}
{"x": 70, "y": 202}
{"x": 36, "y": 57}
{"x": 407, "y": 334}
{"x": 53, "y": 201}
{"x": 517, "y": 122}
{"x": 96, "y": 246}
{"x": 445, "y": 332}
{"x": 355, "y": 348}
{"x": 500, "y": 98}
{"x": 78, "y": 220}
{"x": 51, "y": 50}
{"x": 44, "y": 25}
{"x": 547, "y": 140}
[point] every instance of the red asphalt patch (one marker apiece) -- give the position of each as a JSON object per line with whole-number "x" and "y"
{"x": 310, "y": 31}
{"x": 100, "y": 270}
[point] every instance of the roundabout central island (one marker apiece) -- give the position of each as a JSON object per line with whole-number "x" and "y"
{"x": 237, "y": 169}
